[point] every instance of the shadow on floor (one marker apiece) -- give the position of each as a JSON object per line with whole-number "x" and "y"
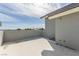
{"x": 59, "y": 51}
{"x": 21, "y": 40}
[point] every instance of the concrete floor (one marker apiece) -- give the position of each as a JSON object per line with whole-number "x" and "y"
{"x": 36, "y": 47}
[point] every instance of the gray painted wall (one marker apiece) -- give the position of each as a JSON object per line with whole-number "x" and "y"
{"x": 11, "y": 35}
{"x": 49, "y": 31}
{"x": 67, "y": 30}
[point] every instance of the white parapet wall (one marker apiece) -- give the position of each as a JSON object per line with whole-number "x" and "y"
{"x": 11, "y": 35}
{"x": 1, "y": 37}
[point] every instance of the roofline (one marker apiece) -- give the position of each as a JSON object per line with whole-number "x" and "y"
{"x": 61, "y": 10}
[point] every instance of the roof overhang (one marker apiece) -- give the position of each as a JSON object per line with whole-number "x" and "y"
{"x": 66, "y": 10}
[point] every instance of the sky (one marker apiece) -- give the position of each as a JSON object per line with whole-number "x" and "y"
{"x": 25, "y": 15}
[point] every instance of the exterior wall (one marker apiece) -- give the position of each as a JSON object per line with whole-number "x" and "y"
{"x": 11, "y": 35}
{"x": 67, "y": 30}
{"x": 1, "y": 37}
{"x": 49, "y": 31}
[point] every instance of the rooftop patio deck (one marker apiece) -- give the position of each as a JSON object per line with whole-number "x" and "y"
{"x": 35, "y": 46}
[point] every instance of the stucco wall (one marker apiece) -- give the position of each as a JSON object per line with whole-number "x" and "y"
{"x": 1, "y": 37}
{"x": 11, "y": 35}
{"x": 49, "y": 29}
{"x": 67, "y": 30}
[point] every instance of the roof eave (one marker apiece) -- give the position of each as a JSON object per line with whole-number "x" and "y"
{"x": 71, "y": 8}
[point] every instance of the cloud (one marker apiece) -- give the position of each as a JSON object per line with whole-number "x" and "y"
{"x": 15, "y": 15}
{"x": 6, "y": 18}
{"x": 32, "y": 9}
{"x": 38, "y": 10}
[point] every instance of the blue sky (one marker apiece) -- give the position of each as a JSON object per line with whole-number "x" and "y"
{"x": 19, "y": 15}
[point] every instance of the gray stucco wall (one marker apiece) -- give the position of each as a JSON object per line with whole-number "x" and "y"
{"x": 1, "y": 37}
{"x": 49, "y": 31}
{"x": 11, "y": 35}
{"x": 67, "y": 30}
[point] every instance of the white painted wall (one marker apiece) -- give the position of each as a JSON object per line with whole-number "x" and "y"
{"x": 49, "y": 31}
{"x": 67, "y": 30}
{"x": 11, "y": 35}
{"x": 1, "y": 37}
